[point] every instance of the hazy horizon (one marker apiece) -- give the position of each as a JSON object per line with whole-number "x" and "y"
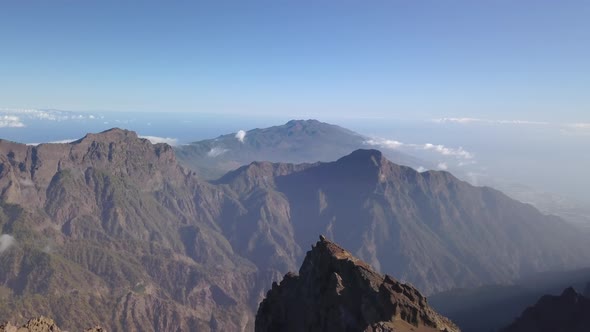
{"x": 504, "y": 81}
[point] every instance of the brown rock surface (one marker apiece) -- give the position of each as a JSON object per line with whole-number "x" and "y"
{"x": 335, "y": 291}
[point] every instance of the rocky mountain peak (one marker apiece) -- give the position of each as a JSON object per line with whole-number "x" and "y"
{"x": 335, "y": 291}
{"x": 569, "y": 311}
{"x": 111, "y": 135}
{"x": 587, "y": 290}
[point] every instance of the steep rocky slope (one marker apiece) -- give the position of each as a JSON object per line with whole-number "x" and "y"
{"x": 297, "y": 141}
{"x": 428, "y": 228}
{"x": 569, "y": 312}
{"x": 335, "y": 291}
{"x": 110, "y": 229}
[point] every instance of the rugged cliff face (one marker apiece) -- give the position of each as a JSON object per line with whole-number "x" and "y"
{"x": 568, "y": 312}
{"x": 110, "y": 229}
{"x": 335, "y": 291}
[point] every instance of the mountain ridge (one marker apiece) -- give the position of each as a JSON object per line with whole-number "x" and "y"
{"x": 112, "y": 228}
{"x": 297, "y": 141}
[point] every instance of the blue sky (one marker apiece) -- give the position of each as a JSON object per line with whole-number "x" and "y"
{"x": 401, "y": 59}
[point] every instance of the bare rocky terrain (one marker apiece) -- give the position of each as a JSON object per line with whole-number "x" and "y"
{"x": 110, "y": 230}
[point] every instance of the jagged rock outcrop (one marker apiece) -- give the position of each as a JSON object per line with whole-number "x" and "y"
{"x": 569, "y": 312}
{"x": 335, "y": 291}
{"x": 40, "y": 324}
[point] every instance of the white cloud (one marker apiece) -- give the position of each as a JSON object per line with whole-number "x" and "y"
{"x": 390, "y": 144}
{"x": 458, "y": 152}
{"x": 439, "y": 148}
{"x": 156, "y": 140}
{"x": 240, "y": 135}
{"x": 489, "y": 121}
{"x": 581, "y": 125}
{"x": 442, "y": 166}
{"x": 6, "y": 241}
{"x": 215, "y": 152}
{"x": 26, "y": 183}
{"x": 62, "y": 141}
{"x": 10, "y": 121}
{"x": 48, "y": 115}
{"x": 576, "y": 129}
{"x": 421, "y": 169}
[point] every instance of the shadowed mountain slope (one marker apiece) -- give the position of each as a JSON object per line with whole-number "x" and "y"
{"x": 492, "y": 307}
{"x": 569, "y": 312}
{"x": 428, "y": 228}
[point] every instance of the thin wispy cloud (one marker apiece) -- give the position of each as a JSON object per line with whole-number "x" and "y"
{"x": 442, "y": 166}
{"x": 156, "y": 140}
{"x": 46, "y": 115}
{"x": 576, "y": 129}
{"x": 385, "y": 143}
{"x": 467, "y": 120}
{"x": 459, "y": 152}
{"x": 215, "y": 152}
{"x": 6, "y": 241}
{"x": 456, "y": 152}
{"x": 61, "y": 141}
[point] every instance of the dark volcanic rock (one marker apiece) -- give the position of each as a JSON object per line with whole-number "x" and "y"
{"x": 335, "y": 291}
{"x": 568, "y": 312}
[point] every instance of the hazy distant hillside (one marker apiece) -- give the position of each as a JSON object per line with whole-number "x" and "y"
{"x": 427, "y": 228}
{"x": 297, "y": 141}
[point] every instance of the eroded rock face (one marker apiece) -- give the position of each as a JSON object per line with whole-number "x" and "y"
{"x": 335, "y": 291}
{"x": 568, "y": 312}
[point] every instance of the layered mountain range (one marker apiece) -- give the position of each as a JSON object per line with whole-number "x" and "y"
{"x": 297, "y": 141}
{"x": 111, "y": 229}
{"x": 428, "y": 228}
